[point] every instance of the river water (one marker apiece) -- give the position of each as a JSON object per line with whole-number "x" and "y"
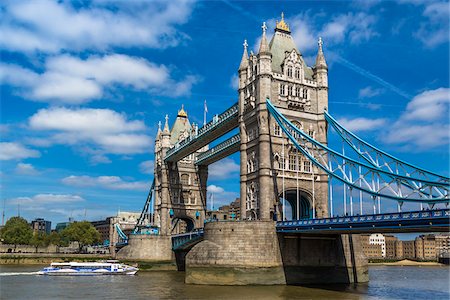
{"x": 386, "y": 282}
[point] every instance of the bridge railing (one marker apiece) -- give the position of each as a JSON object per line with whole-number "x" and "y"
{"x": 399, "y": 216}
{"x": 178, "y": 240}
{"x": 217, "y": 121}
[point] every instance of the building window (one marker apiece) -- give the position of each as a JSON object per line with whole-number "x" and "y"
{"x": 290, "y": 90}
{"x": 292, "y": 162}
{"x": 311, "y": 133}
{"x": 282, "y": 163}
{"x": 307, "y": 166}
{"x": 305, "y": 93}
{"x": 289, "y": 72}
{"x": 185, "y": 179}
{"x": 297, "y": 73}
{"x": 282, "y": 89}
{"x": 297, "y": 91}
{"x": 277, "y": 130}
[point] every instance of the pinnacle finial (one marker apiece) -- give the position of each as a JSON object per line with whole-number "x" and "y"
{"x": 264, "y": 27}
{"x": 166, "y": 125}
{"x": 282, "y": 16}
{"x": 245, "y": 44}
{"x": 244, "y": 60}
{"x": 320, "y": 43}
{"x": 159, "y": 126}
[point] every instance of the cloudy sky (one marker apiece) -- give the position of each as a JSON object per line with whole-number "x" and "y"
{"x": 84, "y": 84}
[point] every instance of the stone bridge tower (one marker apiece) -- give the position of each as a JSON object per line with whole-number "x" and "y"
{"x": 271, "y": 169}
{"x": 180, "y": 187}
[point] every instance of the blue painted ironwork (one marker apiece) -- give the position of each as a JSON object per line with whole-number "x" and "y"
{"x": 425, "y": 220}
{"x": 226, "y": 148}
{"x": 381, "y": 159}
{"x": 186, "y": 239}
{"x": 359, "y": 175}
{"x": 145, "y": 211}
{"x": 199, "y": 139}
{"x": 123, "y": 238}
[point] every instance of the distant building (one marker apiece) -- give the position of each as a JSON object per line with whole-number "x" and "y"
{"x": 442, "y": 243}
{"x": 378, "y": 239}
{"x": 40, "y": 225}
{"x": 391, "y": 246}
{"x": 370, "y": 250}
{"x": 425, "y": 247}
{"x": 231, "y": 212}
{"x": 409, "y": 249}
{"x": 60, "y": 226}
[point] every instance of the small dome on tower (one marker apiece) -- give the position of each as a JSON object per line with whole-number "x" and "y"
{"x": 282, "y": 24}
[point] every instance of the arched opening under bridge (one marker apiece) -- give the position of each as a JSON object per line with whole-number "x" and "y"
{"x": 182, "y": 225}
{"x": 304, "y": 210}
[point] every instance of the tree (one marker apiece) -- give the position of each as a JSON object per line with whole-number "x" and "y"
{"x": 82, "y": 232}
{"x": 55, "y": 238}
{"x": 17, "y": 231}
{"x": 39, "y": 239}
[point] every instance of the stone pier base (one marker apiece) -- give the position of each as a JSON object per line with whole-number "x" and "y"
{"x": 251, "y": 253}
{"x": 147, "y": 248}
{"x": 236, "y": 253}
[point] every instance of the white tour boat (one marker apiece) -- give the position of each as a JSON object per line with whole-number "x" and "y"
{"x": 89, "y": 268}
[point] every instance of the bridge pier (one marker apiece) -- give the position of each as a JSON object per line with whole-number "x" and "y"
{"x": 252, "y": 253}
{"x": 143, "y": 247}
{"x": 236, "y": 253}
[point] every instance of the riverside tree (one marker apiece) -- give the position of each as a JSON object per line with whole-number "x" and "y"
{"x": 16, "y": 231}
{"x": 82, "y": 232}
{"x": 39, "y": 239}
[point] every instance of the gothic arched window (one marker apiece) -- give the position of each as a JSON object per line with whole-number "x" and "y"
{"x": 297, "y": 73}
{"x": 305, "y": 93}
{"x": 289, "y": 72}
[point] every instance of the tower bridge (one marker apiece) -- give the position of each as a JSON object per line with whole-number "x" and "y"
{"x": 290, "y": 181}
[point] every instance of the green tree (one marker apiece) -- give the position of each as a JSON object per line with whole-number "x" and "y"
{"x": 82, "y": 232}
{"x": 39, "y": 239}
{"x": 55, "y": 238}
{"x": 17, "y": 231}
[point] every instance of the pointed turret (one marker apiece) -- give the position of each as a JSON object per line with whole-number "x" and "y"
{"x": 244, "y": 60}
{"x": 158, "y": 134}
{"x": 166, "y": 130}
{"x": 264, "y": 45}
{"x": 320, "y": 59}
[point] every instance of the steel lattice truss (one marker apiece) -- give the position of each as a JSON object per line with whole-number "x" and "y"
{"x": 145, "y": 210}
{"x": 381, "y": 159}
{"x": 358, "y": 175}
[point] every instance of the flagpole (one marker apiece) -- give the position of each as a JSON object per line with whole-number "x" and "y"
{"x": 205, "y": 110}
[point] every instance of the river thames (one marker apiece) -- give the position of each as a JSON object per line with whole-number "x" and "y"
{"x": 386, "y": 282}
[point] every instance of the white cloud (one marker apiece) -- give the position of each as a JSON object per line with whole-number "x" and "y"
{"x": 44, "y": 199}
{"x": 214, "y": 189}
{"x": 369, "y": 92}
{"x": 362, "y": 124}
{"x": 72, "y": 80}
{"x": 146, "y": 167}
{"x": 223, "y": 169}
{"x": 107, "y": 182}
{"x": 424, "y": 123}
{"x": 105, "y": 130}
{"x": 234, "y": 82}
{"x": 29, "y": 26}
{"x": 9, "y": 151}
{"x": 429, "y": 106}
{"x": 26, "y": 169}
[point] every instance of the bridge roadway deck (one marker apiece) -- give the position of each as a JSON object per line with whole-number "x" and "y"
{"x": 401, "y": 222}
{"x": 415, "y": 221}
{"x": 224, "y": 149}
{"x": 219, "y": 126}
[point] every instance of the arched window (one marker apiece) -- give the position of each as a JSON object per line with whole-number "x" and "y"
{"x": 293, "y": 161}
{"x": 297, "y": 91}
{"x": 282, "y": 91}
{"x": 297, "y": 73}
{"x": 185, "y": 179}
{"x": 305, "y": 93}
{"x": 289, "y": 72}
{"x": 290, "y": 90}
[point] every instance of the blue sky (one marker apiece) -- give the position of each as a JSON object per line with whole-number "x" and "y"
{"x": 84, "y": 84}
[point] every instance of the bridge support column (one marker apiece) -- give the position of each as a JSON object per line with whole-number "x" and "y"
{"x": 323, "y": 259}
{"x": 236, "y": 253}
{"x": 143, "y": 247}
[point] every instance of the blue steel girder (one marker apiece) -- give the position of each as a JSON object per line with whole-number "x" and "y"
{"x": 220, "y": 125}
{"x": 145, "y": 210}
{"x": 381, "y": 159}
{"x": 413, "y": 221}
{"x": 224, "y": 149}
{"x": 358, "y": 175}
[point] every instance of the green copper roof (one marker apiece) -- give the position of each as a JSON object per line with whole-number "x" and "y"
{"x": 279, "y": 45}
